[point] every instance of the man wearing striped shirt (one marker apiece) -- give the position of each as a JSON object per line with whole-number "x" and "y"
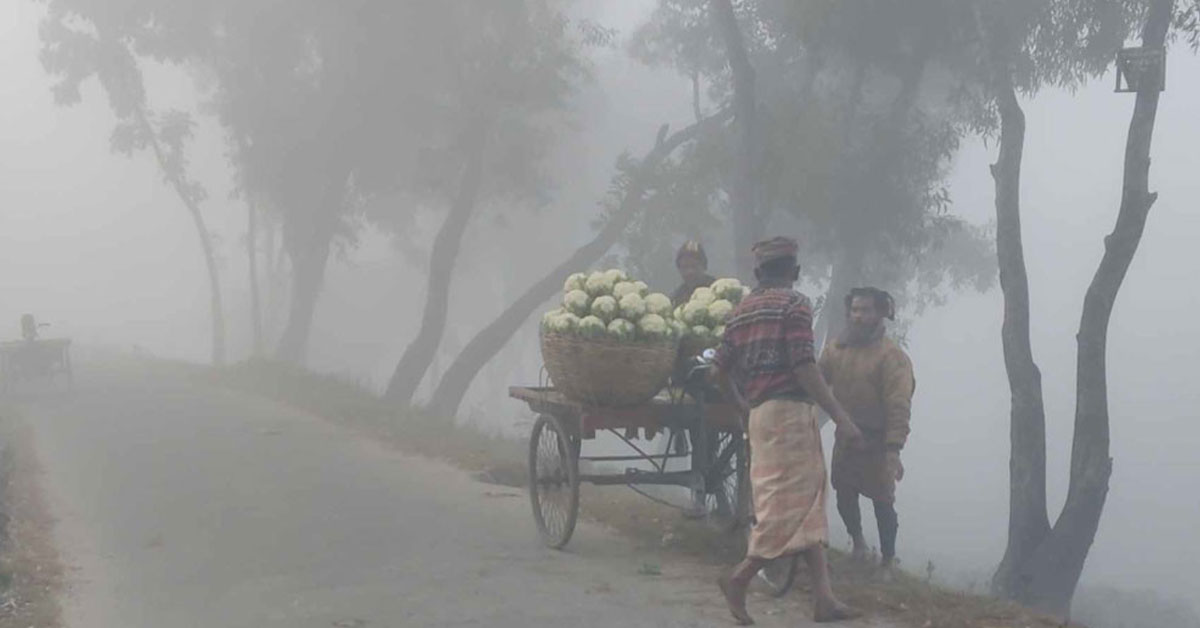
{"x": 767, "y": 364}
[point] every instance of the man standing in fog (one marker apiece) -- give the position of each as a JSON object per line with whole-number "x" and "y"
{"x": 872, "y": 378}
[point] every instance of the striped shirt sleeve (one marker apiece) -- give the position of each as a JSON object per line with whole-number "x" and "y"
{"x": 798, "y": 334}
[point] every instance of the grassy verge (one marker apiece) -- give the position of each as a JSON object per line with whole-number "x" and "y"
{"x": 31, "y": 576}
{"x": 906, "y": 598}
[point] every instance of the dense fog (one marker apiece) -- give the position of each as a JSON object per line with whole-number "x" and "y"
{"x": 100, "y": 246}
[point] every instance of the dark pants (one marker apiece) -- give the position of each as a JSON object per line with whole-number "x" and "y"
{"x": 885, "y": 516}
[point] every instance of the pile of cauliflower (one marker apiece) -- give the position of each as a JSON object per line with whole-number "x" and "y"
{"x": 610, "y": 305}
{"x": 705, "y": 314}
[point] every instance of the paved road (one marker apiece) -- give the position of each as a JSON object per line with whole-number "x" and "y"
{"x": 180, "y": 505}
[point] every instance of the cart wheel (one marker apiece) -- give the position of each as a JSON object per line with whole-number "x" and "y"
{"x": 553, "y": 481}
{"x": 780, "y": 574}
{"x": 729, "y": 498}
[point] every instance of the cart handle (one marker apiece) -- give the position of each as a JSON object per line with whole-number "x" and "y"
{"x": 703, "y": 362}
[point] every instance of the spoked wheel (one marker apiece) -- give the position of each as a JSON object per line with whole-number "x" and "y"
{"x": 728, "y": 498}
{"x": 553, "y": 481}
{"x": 780, "y": 574}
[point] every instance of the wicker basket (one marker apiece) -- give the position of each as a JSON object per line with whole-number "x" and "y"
{"x": 607, "y": 373}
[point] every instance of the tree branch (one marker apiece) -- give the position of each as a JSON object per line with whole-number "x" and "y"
{"x": 492, "y": 338}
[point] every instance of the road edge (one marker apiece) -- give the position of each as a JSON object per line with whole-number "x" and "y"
{"x": 32, "y": 576}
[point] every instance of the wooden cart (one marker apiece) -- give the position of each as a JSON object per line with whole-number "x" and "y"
{"x": 46, "y": 359}
{"x": 709, "y": 435}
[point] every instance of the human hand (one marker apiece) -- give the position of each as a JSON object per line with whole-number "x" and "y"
{"x": 848, "y": 433}
{"x": 895, "y": 466}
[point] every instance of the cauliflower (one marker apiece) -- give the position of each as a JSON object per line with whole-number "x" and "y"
{"x": 599, "y": 284}
{"x": 577, "y": 302}
{"x": 653, "y": 327}
{"x": 719, "y": 311}
{"x": 642, "y": 288}
{"x": 563, "y": 323}
{"x": 552, "y": 314}
{"x": 659, "y": 304}
{"x": 632, "y": 307}
{"x": 604, "y": 308}
{"x": 745, "y": 291}
{"x": 592, "y": 327}
{"x": 616, "y": 275}
{"x": 578, "y": 281}
{"x": 623, "y": 288}
{"x": 704, "y": 296}
{"x": 719, "y": 332}
{"x": 723, "y": 284}
{"x": 681, "y": 329}
{"x": 702, "y": 332}
{"x": 695, "y": 313}
{"x": 621, "y": 330}
{"x": 728, "y": 289}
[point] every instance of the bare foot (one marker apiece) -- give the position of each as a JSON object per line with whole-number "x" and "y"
{"x": 887, "y": 570}
{"x": 735, "y": 598}
{"x": 859, "y": 553}
{"x": 832, "y": 610}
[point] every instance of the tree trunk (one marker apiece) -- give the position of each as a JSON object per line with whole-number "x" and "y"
{"x": 448, "y": 395}
{"x": 1045, "y": 575}
{"x": 190, "y": 201}
{"x": 277, "y": 278}
{"x": 308, "y": 238}
{"x": 747, "y": 221}
{"x": 308, "y": 276}
{"x": 252, "y": 256}
{"x": 1055, "y": 569}
{"x": 841, "y": 276}
{"x": 1028, "y": 523}
{"x": 846, "y": 272}
{"x": 415, "y": 361}
{"x": 214, "y": 286}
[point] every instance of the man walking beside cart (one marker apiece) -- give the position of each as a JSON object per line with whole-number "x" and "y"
{"x": 767, "y": 363}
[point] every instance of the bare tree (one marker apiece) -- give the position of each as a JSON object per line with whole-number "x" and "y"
{"x": 1043, "y": 563}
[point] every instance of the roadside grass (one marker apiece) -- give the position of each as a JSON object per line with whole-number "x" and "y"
{"x": 906, "y": 598}
{"x": 31, "y": 576}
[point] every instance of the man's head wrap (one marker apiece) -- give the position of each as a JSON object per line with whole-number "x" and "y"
{"x": 694, "y": 250}
{"x": 774, "y": 249}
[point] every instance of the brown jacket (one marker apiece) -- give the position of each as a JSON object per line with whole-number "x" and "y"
{"x": 875, "y": 384}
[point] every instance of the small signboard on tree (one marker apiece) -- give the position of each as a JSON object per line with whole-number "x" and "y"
{"x": 1141, "y": 69}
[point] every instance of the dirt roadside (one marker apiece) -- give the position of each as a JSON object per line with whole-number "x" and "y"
{"x": 31, "y": 574}
{"x": 907, "y": 599}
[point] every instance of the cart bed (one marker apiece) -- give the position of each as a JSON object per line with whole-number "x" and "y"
{"x": 653, "y": 416}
